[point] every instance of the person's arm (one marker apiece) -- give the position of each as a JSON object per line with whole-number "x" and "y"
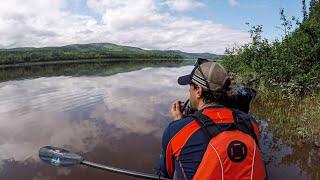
{"x": 166, "y": 164}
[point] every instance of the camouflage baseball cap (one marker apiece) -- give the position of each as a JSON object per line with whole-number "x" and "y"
{"x": 207, "y": 74}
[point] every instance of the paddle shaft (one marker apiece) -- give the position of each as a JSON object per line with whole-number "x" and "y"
{"x": 122, "y": 171}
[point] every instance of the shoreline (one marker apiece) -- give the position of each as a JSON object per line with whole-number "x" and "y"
{"x": 81, "y": 61}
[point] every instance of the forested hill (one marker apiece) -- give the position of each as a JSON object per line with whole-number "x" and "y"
{"x": 90, "y": 51}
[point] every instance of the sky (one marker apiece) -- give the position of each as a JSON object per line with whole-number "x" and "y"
{"x": 186, "y": 25}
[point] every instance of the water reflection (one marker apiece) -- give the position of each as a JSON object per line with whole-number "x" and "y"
{"x": 285, "y": 162}
{"x": 108, "y": 117}
{"x": 116, "y": 120}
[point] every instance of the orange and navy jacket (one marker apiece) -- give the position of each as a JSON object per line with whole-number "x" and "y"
{"x": 184, "y": 145}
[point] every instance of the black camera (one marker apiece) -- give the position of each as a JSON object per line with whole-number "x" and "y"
{"x": 239, "y": 98}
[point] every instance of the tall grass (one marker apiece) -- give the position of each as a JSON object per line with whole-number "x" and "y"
{"x": 294, "y": 119}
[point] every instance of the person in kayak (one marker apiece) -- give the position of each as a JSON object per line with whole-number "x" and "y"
{"x": 215, "y": 142}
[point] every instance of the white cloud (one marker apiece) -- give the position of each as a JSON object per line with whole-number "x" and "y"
{"x": 128, "y": 15}
{"x": 40, "y": 23}
{"x": 233, "y": 2}
{"x": 142, "y": 23}
{"x": 184, "y": 5}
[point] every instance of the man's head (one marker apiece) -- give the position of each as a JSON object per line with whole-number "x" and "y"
{"x": 208, "y": 82}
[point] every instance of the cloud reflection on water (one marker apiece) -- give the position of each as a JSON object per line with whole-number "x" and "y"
{"x": 68, "y": 111}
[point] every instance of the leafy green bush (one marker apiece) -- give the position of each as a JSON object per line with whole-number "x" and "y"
{"x": 291, "y": 65}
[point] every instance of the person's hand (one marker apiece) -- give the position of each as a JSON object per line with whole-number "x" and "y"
{"x": 176, "y": 113}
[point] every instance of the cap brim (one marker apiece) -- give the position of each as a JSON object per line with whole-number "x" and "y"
{"x": 184, "y": 80}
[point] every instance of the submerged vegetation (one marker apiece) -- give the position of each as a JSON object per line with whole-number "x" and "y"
{"x": 294, "y": 120}
{"x": 286, "y": 72}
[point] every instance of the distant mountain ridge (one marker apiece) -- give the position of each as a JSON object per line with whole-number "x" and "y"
{"x": 82, "y": 47}
{"x": 194, "y": 55}
{"x": 110, "y": 47}
{"x": 77, "y": 52}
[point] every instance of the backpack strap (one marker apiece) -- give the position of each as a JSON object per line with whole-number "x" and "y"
{"x": 243, "y": 123}
{"x": 207, "y": 125}
{"x": 211, "y": 129}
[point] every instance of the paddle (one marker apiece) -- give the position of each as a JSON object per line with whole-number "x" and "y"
{"x": 61, "y": 157}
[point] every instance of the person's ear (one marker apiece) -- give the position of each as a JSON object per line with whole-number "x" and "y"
{"x": 199, "y": 92}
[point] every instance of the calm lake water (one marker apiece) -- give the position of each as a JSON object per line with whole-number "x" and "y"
{"x": 115, "y": 120}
